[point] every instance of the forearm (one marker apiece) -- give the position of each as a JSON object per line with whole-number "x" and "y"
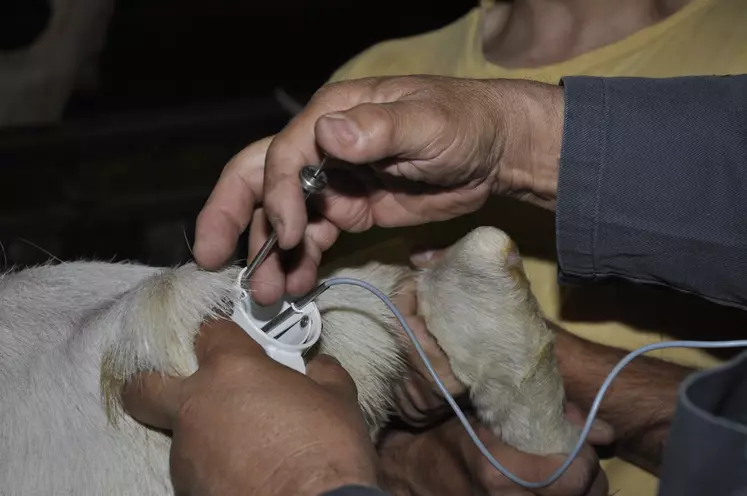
{"x": 652, "y": 183}
{"x": 639, "y": 405}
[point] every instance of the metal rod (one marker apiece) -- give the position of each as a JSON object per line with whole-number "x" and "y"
{"x": 313, "y": 180}
{"x": 261, "y": 256}
{"x": 299, "y": 304}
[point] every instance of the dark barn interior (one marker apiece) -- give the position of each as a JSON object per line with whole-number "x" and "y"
{"x": 182, "y": 86}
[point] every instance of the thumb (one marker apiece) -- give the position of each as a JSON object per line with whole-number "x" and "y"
{"x": 375, "y": 131}
{"x": 426, "y": 258}
{"x": 222, "y": 337}
{"x": 328, "y": 373}
{"x": 153, "y": 399}
{"x": 601, "y": 432}
{"x": 229, "y": 208}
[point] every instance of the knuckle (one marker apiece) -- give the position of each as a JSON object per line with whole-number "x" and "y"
{"x": 189, "y": 414}
{"x": 204, "y": 217}
{"x": 356, "y": 89}
{"x": 320, "y": 237}
{"x": 392, "y": 88}
{"x": 247, "y": 160}
{"x": 326, "y": 370}
{"x": 320, "y": 366}
{"x": 312, "y": 248}
{"x": 187, "y": 409}
{"x": 578, "y": 479}
{"x": 321, "y": 95}
{"x": 229, "y": 365}
{"x": 492, "y": 480}
{"x": 278, "y": 154}
{"x": 335, "y": 96}
{"x": 329, "y": 368}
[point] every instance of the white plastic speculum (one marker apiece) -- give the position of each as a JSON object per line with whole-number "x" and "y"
{"x": 287, "y": 342}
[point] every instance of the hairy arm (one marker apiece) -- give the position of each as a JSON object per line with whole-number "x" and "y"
{"x": 640, "y": 403}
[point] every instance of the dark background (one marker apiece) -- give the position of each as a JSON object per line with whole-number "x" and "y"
{"x": 183, "y": 86}
{"x": 186, "y": 84}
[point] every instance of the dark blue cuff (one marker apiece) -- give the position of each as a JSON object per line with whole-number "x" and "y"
{"x": 652, "y": 185}
{"x": 581, "y": 161}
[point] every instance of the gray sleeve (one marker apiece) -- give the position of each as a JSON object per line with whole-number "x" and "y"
{"x": 707, "y": 448}
{"x": 652, "y": 184}
{"x": 356, "y": 491}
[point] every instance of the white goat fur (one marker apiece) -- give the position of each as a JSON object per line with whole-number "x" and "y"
{"x": 70, "y": 335}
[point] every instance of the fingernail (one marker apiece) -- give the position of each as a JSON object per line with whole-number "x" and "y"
{"x": 600, "y": 429}
{"x": 330, "y": 359}
{"x": 278, "y": 227}
{"x": 422, "y": 257}
{"x": 426, "y": 255}
{"x": 344, "y": 129}
{"x": 197, "y": 246}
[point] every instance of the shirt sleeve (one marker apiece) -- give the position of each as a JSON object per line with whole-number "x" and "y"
{"x": 356, "y": 491}
{"x": 707, "y": 447}
{"x": 652, "y": 184}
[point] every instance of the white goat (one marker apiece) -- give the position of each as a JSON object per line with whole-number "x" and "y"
{"x": 71, "y": 334}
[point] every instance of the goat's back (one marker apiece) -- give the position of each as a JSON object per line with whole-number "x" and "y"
{"x": 52, "y": 426}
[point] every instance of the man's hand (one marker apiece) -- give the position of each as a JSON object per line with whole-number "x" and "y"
{"x": 244, "y": 424}
{"x": 641, "y": 404}
{"x": 418, "y": 401}
{"x": 427, "y": 148}
{"x": 444, "y": 461}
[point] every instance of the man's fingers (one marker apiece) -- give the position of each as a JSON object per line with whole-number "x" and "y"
{"x": 370, "y": 132}
{"x": 422, "y": 259}
{"x": 429, "y": 344}
{"x": 268, "y": 282}
{"x": 153, "y": 399}
{"x": 271, "y": 279}
{"x": 600, "y": 434}
{"x": 365, "y": 133}
{"x": 328, "y": 373}
{"x": 600, "y": 486}
{"x": 228, "y": 210}
{"x": 417, "y": 403}
{"x": 284, "y": 200}
{"x": 531, "y": 468}
{"x": 435, "y": 355}
{"x": 294, "y": 147}
{"x": 303, "y": 275}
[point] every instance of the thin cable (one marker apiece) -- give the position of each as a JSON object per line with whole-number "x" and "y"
{"x": 336, "y": 281}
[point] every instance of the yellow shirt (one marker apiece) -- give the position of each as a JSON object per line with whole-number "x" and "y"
{"x": 704, "y": 37}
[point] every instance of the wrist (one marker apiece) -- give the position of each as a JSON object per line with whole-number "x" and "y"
{"x": 316, "y": 472}
{"x": 532, "y": 129}
{"x": 318, "y": 482}
{"x": 569, "y": 352}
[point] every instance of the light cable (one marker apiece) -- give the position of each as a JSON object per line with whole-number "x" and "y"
{"x": 338, "y": 281}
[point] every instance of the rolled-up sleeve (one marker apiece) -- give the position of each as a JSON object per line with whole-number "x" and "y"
{"x": 652, "y": 184}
